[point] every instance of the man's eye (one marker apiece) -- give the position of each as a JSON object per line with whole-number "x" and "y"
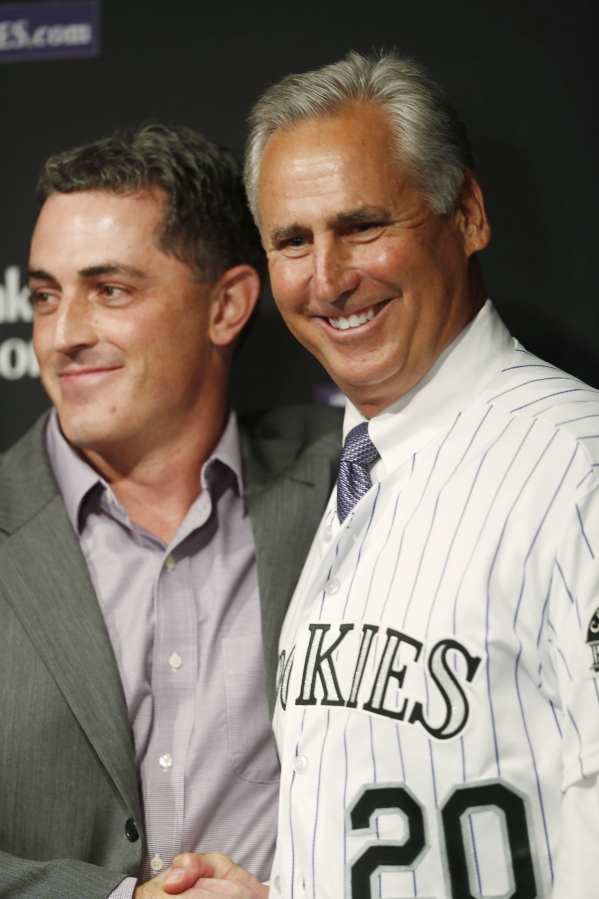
{"x": 112, "y": 292}
{"x": 40, "y": 298}
{"x": 294, "y": 242}
{"x": 363, "y": 227}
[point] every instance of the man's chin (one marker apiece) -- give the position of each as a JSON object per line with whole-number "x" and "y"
{"x": 89, "y": 432}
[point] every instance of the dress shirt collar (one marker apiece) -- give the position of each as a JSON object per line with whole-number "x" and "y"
{"x": 462, "y": 370}
{"x": 76, "y": 479}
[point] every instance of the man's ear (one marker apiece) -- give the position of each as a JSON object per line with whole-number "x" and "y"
{"x": 234, "y": 297}
{"x": 471, "y": 217}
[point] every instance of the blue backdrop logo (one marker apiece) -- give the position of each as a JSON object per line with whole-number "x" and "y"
{"x": 30, "y": 31}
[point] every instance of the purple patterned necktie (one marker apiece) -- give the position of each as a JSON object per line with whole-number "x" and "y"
{"x": 354, "y": 479}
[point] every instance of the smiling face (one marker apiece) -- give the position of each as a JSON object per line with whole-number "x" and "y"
{"x": 121, "y": 330}
{"x": 366, "y": 276}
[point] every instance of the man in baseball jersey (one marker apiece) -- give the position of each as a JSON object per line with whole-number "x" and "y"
{"x": 438, "y": 713}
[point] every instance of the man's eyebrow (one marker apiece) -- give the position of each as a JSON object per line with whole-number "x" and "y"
{"x": 364, "y": 214}
{"x": 111, "y": 268}
{"x": 92, "y": 271}
{"x": 353, "y": 217}
{"x": 39, "y": 274}
{"x": 284, "y": 232}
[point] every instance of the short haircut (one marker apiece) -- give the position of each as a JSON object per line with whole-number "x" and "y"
{"x": 430, "y": 139}
{"x": 206, "y": 222}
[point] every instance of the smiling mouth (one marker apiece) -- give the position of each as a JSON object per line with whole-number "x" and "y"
{"x": 73, "y": 375}
{"x": 343, "y": 323}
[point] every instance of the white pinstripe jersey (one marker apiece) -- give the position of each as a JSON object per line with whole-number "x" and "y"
{"x": 437, "y": 684}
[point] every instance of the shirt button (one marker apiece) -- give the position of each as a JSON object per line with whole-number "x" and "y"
{"x": 170, "y": 563}
{"x": 300, "y": 763}
{"x": 110, "y": 497}
{"x": 175, "y": 660}
{"x": 327, "y": 533}
{"x": 165, "y": 761}
{"x": 156, "y": 864}
{"x": 332, "y": 586}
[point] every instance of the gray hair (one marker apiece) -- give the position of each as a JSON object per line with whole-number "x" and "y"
{"x": 206, "y": 223}
{"x": 431, "y": 140}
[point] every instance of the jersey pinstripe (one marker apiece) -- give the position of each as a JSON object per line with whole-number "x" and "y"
{"x": 437, "y": 685}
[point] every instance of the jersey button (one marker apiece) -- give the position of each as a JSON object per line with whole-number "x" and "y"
{"x": 300, "y": 763}
{"x": 331, "y": 587}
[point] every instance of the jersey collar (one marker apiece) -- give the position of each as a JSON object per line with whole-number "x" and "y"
{"x": 461, "y": 372}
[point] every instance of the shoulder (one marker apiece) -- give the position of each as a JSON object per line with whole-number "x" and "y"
{"x": 306, "y": 425}
{"x": 275, "y": 440}
{"x": 28, "y": 453}
{"x": 26, "y": 479}
{"x": 530, "y": 388}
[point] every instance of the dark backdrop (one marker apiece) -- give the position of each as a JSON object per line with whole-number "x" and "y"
{"x": 523, "y": 73}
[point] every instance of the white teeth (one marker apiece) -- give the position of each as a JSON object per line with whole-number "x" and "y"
{"x": 342, "y": 323}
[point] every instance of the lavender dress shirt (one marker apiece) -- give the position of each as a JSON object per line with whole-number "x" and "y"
{"x": 184, "y": 622}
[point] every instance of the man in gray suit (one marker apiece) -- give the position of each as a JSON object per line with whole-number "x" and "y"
{"x": 149, "y": 540}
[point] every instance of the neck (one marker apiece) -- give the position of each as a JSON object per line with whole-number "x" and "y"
{"x": 157, "y": 487}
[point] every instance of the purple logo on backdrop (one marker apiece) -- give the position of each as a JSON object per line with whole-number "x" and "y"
{"x": 49, "y": 30}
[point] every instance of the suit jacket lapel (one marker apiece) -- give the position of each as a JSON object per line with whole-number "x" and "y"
{"x": 286, "y": 493}
{"x": 44, "y": 577}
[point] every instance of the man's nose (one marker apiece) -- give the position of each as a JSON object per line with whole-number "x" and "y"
{"x": 74, "y": 323}
{"x": 334, "y": 274}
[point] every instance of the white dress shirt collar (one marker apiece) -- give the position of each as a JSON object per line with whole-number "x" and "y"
{"x": 76, "y": 478}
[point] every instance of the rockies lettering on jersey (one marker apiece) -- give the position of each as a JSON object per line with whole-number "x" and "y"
{"x": 319, "y": 665}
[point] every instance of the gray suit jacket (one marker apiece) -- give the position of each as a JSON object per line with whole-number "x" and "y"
{"x": 68, "y": 790}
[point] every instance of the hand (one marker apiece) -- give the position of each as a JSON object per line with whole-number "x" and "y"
{"x": 189, "y": 868}
{"x": 203, "y": 876}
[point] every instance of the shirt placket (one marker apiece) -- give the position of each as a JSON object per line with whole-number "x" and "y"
{"x": 173, "y": 679}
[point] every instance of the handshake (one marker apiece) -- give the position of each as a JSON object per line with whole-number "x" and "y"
{"x": 203, "y": 877}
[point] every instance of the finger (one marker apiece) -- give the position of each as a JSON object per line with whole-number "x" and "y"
{"x": 206, "y": 888}
{"x": 225, "y": 869}
{"x": 185, "y": 871}
{"x": 228, "y": 889}
{"x": 221, "y": 866}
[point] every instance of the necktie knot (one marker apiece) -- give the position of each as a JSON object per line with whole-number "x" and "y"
{"x": 354, "y": 477}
